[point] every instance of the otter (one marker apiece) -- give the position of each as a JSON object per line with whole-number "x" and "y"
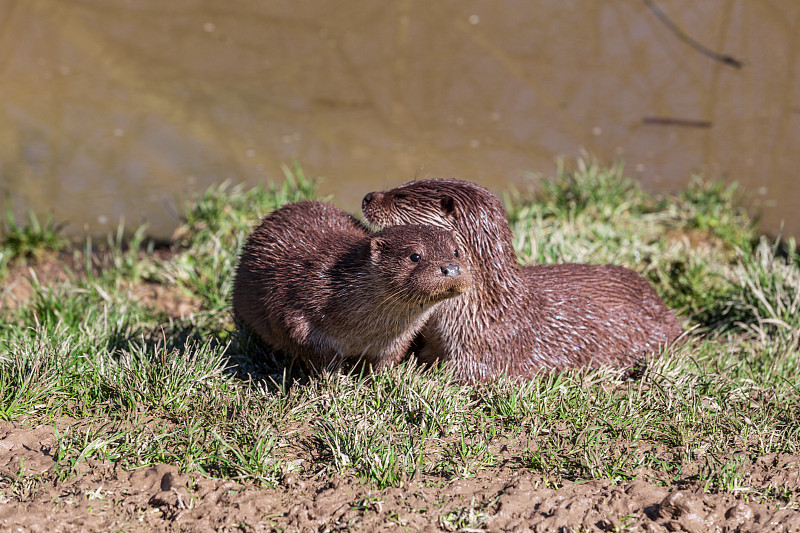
{"x": 520, "y": 321}
{"x": 314, "y": 284}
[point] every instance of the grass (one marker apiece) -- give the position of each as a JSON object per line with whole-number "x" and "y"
{"x": 23, "y": 242}
{"x": 121, "y": 382}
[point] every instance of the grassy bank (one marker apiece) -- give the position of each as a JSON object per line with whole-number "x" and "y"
{"x": 126, "y": 379}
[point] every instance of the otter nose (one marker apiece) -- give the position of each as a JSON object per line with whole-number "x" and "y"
{"x": 368, "y": 198}
{"x": 451, "y": 271}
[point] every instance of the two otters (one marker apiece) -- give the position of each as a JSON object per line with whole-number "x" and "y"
{"x": 497, "y": 318}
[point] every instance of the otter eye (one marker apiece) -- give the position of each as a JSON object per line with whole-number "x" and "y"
{"x": 455, "y": 253}
{"x": 414, "y": 258}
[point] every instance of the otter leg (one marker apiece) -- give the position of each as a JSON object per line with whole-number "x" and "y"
{"x": 388, "y": 357}
{"x": 322, "y": 359}
{"x": 428, "y": 347}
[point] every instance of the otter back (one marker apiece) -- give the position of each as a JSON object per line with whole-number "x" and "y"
{"x": 314, "y": 284}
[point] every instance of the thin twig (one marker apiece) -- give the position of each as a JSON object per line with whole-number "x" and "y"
{"x": 723, "y": 58}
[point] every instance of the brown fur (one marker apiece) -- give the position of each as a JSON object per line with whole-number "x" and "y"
{"x": 522, "y": 320}
{"x": 313, "y": 283}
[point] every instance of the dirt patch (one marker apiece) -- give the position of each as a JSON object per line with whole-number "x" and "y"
{"x": 159, "y": 497}
{"x": 31, "y": 450}
{"x": 167, "y": 299}
{"x": 637, "y": 505}
{"x": 20, "y": 283}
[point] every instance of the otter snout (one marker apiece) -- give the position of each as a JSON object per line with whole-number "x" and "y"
{"x": 451, "y": 271}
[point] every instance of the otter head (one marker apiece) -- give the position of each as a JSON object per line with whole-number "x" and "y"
{"x": 433, "y": 202}
{"x": 419, "y": 264}
{"x": 473, "y": 212}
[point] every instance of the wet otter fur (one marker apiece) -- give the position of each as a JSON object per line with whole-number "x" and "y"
{"x": 522, "y": 320}
{"x": 314, "y": 284}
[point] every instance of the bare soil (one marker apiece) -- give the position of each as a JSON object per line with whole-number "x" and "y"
{"x": 158, "y": 497}
{"x": 19, "y": 285}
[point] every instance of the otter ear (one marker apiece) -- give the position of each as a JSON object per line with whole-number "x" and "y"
{"x": 376, "y": 246}
{"x": 449, "y": 206}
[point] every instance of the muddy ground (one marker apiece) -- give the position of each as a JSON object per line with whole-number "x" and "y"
{"x": 158, "y": 497}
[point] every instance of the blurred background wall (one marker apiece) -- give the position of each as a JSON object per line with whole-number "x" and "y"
{"x": 116, "y": 109}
